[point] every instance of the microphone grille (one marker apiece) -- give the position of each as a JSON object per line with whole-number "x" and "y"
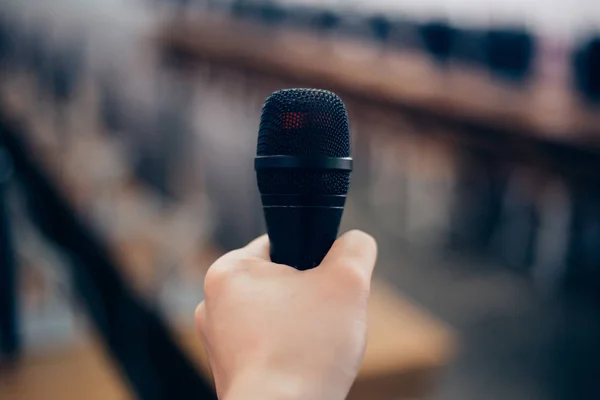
{"x": 304, "y": 122}
{"x": 301, "y": 122}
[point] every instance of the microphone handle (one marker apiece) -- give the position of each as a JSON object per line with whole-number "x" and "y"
{"x": 301, "y": 236}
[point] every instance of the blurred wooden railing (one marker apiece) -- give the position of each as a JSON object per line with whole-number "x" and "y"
{"x": 401, "y": 80}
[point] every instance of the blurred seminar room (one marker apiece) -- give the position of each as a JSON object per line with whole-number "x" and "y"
{"x": 127, "y": 136}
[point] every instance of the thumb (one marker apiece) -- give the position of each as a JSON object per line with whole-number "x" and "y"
{"x": 354, "y": 250}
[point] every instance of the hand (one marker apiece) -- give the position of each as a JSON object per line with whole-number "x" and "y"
{"x": 274, "y": 333}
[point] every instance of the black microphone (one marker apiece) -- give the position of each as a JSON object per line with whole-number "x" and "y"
{"x": 303, "y": 169}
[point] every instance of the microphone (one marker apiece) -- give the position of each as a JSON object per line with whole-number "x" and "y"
{"x": 303, "y": 167}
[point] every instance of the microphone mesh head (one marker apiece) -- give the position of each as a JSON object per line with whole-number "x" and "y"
{"x": 303, "y": 122}
{"x": 300, "y": 122}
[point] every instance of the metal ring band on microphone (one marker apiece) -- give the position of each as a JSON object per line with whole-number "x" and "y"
{"x": 304, "y": 162}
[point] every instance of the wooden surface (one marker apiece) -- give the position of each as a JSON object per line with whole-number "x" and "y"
{"x": 80, "y": 372}
{"x": 397, "y": 79}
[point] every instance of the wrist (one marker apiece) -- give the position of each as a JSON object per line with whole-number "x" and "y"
{"x": 270, "y": 386}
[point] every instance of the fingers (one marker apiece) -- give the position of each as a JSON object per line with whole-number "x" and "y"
{"x": 259, "y": 247}
{"x": 354, "y": 251}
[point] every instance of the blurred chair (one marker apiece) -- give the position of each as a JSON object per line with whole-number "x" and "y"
{"x": 480, "y": 188}
{"x": 325, "y": 22}
{"x": 66, "y": 68}
{"x": 299, "y": 16}
{"x": 165, "y": 146}
{"x": 405, "y": 33}
{"x": 178, "y": 8}
{"x": 271, "y": 13}
{"x": 243, "y": 9}
{"x": 169, "y": 139}
{"x": 344, "y": 23}
{"x": 517, "y": 229}
{"x": 469, "y": 46}
{"x": 392, "y": 33}
{"x": 112, "y": 114}
{"x": 5, "y": 48}
{"x": 381, "y": 28}
{"x": 586, "y": 67}
{"x": 553, "y": 237}
{"x": 19, "y": 38}
{"x": 36, "y": 55}
{"x": 438, "y": 39}
{"x": 509, "y": 53}
{"x": 584, "y": 252}
{"x": 8, "y": 46}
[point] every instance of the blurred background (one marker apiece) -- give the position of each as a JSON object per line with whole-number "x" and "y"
{"x": 127, "y": 136}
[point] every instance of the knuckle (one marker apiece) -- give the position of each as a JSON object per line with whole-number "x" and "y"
{"x": 214, "y": 279}
{"x": 217, "y": 276}
{"x": 225, "y": 270}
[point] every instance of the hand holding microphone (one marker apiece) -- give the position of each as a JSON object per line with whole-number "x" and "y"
{"x": 273, "y": 332}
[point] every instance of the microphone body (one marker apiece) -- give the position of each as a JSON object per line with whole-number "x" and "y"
{"x": 301, "y": 236}
{"x": 303, "y": 169}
